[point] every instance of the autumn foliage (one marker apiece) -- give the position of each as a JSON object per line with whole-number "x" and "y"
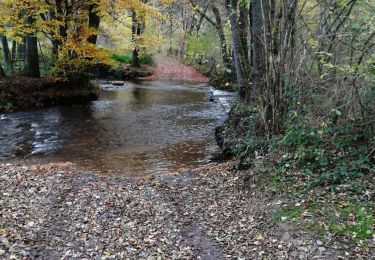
{"x": 71, "y": 28}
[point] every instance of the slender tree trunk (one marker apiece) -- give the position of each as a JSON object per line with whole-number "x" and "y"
{"x": 94, "y": 22}
{"x": 14, "y": 50}
{"x": 21, "y": 49}
{"x": 6, "y": 51}
{"x": 243, "y": 34}
{"x": 251, "y": 51}
{"x": 135, "y": 29}
{"x": 232, "y": 11}
{"x": 2, "y": 72}
{"x": 55, "y": 48}
{"x": 170, "y": 32}
{"x": 20, "y": 55}
{"x": 32, "y": 57}
{"x": 60, "y": 16}
{"x": 218, "y": 24}
{"x": 223, "y": 43}
{"x": 258, "y": 47}
{"x": 55, "y": 42}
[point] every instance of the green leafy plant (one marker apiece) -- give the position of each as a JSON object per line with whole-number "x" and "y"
{"x": 330, "y": 153}
{"x": 144, "y": 58}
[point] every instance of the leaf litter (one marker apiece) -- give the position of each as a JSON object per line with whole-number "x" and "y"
{"x": 57, "y": 211}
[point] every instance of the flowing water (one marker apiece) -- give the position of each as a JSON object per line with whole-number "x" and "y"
{"x": 131, "y": 130}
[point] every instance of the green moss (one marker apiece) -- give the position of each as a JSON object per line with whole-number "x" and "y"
{"x": 354, "y": 220}
{"x": 287, "y": 213}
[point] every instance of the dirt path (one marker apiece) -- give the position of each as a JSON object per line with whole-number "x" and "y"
{"x": 171, "y": 69}
{"x": 57, "y": 211}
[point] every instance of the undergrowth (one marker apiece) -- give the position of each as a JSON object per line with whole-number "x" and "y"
{"x": 5, "y": 105}
{"x": 144, "y": 58}
{"x": 327, "y": 164}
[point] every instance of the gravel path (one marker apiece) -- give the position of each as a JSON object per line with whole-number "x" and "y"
{"x": 59, "y": 212}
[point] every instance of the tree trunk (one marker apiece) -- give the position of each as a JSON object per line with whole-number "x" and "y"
{"x": 170, "y": 32}
{"x": 14, "y": 50}
{"x": 258, "y": 48}
{"x": 61, "y": 17}
{"x": 55, "y": 42}
{"x": 32, "y": 57}
{"x": 243, "y": 34}
{"x": 223, "y": 43}
{"x": 2, "y": 73}
{"x": 94, "y": 22}
{"x": 21, "y": 49}
{"x": 6, "y": 52}
{"x": 232, "y": 12}
{"x": 55, "y": 48}
{"x": 135, "y": 30}
{"x": 251, "y": 51}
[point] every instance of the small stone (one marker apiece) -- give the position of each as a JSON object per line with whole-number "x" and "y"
{"x": 321, "y": 249}
{"x": 30, "y": 224}
{"x": 5, "y": 242}
{"x": 286, "y": 236}
{"x": 319, "y": 243}
{"x": 2, "y": 252}
{"x": 299, "y": 242}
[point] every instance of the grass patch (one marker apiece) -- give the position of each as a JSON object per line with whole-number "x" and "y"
{"x": 354, "y": 220}
{"x": 287, "y": 213}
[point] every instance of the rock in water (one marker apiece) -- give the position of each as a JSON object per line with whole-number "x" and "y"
{"x": 118, "y": 83}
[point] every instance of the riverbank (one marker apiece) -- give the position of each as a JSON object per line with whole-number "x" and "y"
{"x": 126, "y": 72}
{"x": 56, "y": 211}
{"x": 18, "y": 93}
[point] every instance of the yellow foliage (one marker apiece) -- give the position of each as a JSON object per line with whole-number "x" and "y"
{"x": 68, "y": 26}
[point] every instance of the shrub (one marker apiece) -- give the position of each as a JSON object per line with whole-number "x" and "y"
{"x": 144, "y": 58}
{"x": 332, "y": 153}
{"x": 122, "y": 58}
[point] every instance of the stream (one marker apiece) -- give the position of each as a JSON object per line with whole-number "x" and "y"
{"x": 133, "y": 130}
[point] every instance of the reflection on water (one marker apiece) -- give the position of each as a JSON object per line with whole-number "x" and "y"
{"x": 131, "y": 130}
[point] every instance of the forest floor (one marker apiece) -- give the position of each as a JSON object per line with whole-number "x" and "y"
{"x": 168, "y": 68}
{"x": 60, "y": 212}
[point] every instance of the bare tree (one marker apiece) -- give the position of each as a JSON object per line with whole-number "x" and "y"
{"x": 219, "y": 27}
